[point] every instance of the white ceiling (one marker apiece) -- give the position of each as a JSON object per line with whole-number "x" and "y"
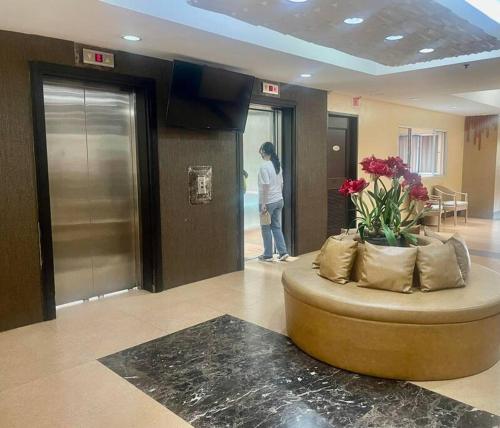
{"x": 101, "y": 24}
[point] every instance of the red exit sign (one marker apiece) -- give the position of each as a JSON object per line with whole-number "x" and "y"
{"x": 104, "y": 59}
{"x": 271, "y": 89}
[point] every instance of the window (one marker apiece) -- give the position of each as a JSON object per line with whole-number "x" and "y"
{"x": 423, "y": 150}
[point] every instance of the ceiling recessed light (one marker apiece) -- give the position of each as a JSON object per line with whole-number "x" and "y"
{"x": 426, "y": 50}
{"x": 131, "y": 38}
{"x": 306, "y": 75}
{"x": 353, "y": 21}
{"x": 297, "y": 1}
{"x": 394, "y": 37}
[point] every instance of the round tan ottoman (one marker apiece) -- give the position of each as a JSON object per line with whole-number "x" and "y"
{"x": 421, "y": 336}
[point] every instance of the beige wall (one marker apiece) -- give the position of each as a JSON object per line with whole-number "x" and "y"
{"x": 378, "y": 131}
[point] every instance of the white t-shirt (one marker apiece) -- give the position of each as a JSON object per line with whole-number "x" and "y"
{"x": 267, "y": 175}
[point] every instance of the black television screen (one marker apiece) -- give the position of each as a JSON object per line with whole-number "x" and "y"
{"x": 203, "y": 97}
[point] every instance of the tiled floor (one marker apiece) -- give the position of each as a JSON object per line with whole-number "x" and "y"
{"x": 49, "y": 376}
{"x": 227, "y": 372}
{"x": 253, "y": 244}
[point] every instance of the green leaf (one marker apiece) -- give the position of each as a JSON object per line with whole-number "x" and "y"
{"x": 361, "y": 230}
{"x": 389, "y": 234}
{"x": 412, "y": 239}
{"x": 374, "y": 196}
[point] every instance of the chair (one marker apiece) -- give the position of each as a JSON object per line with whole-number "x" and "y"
{"x": 435, "y": 209}
{"x": 453, "y": 201}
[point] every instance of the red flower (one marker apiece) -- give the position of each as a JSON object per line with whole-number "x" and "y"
{"x": 397, "y": 166}
{"x": 378, "y": 167}
{"x": 353, "y": 186}
{"x": 419, "y": 193}
{"x": 411, "y": 179}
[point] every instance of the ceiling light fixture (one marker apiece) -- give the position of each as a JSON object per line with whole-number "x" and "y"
{"x": 426, "y": 50}
{"x": 297, "y": 1}
{"x": 306, "y": 75}
{"x": 353, "y": 21}
{"x": 131, "y": 38}
{"x": 394, "y": 37}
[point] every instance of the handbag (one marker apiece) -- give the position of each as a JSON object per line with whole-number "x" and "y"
{"x": 265, "y": 218}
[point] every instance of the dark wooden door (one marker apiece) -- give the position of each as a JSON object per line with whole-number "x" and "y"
{"x": 341, "y": 164}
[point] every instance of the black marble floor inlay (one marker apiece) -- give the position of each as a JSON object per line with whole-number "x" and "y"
{"x": 230, "y": 373}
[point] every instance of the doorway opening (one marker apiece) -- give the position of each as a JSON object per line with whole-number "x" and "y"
{"x": 276, "y": 125}
{"x": 263, "y": 124}
{"x": 342, "y": 163}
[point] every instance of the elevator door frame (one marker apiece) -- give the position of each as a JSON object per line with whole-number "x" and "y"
{"x": 288, "y": 160}
{"x": 147, "y": 169}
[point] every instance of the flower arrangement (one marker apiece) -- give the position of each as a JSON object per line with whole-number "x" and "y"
{"x": 387, "y": 211}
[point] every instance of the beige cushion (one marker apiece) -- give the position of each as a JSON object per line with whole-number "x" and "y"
{"x": 317, "y": 261}
{"x": 461, "y": 250}
{"x": 480, "y": 299}
{"x": 357, "y": 269}
{"x": 337, "y": 260}
{"x": 343, "y": 236}
{"x": 388, "y": 268}
{"x": 438, "y": 268}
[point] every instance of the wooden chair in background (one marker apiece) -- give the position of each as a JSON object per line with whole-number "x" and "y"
{"x": 452, "y": 201}
{"x": 436, "y": 209}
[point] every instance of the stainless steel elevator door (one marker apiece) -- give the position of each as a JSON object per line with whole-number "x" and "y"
{"x": 93, "y": 192}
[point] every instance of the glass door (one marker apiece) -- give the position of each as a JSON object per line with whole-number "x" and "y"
{"x": 263, "y": 124}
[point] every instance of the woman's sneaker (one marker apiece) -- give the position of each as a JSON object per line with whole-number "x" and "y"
{"x": 284, "y": 257}
{"x": 265, "y": 259}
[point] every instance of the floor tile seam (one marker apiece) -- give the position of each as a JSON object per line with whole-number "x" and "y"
{"x": 47, "y": 375}
{"x": 139, "y": 317}
{"x": 84, "y": 359}
{"x": 144, "y": 321}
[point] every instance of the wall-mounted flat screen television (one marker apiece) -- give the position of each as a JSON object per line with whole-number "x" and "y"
{"x": 203, "y": 97}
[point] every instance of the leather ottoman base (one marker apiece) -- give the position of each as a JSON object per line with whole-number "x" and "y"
{"x": 394, "y": 350}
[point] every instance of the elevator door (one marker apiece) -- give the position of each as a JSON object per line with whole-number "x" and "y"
{"x": 93, "y": 190}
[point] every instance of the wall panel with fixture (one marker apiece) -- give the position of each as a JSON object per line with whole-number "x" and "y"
{"x": 188, "y": 236}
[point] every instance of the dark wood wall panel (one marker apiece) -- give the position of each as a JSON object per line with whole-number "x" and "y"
{"x": 20, "y": 289}
{"x": 197, "y": 241}
{"x": 311, "y": 196}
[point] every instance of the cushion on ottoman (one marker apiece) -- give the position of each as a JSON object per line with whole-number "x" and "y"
{"x": 388, "y": 268}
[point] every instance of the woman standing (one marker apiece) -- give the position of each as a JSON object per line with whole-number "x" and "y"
{"x": 270, "y": 180}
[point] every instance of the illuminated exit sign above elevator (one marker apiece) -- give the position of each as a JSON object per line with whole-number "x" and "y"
{"x": 271, "y": 89}
{"x": 104, "y": 59}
